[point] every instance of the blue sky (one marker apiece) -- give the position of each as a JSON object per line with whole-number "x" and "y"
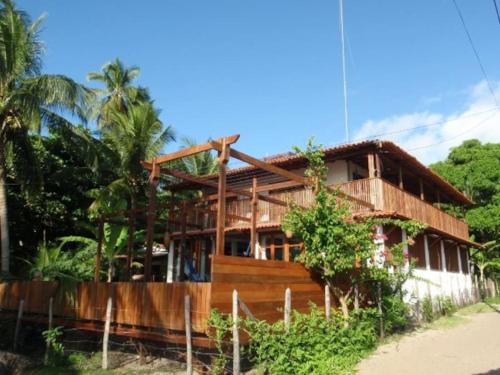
{"x": 271, "y": 70}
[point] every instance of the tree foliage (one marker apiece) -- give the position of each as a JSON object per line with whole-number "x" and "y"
{"x": 29, "y": 100}
{"x": 474, "y": 168}
{"x": 339, "y": 247}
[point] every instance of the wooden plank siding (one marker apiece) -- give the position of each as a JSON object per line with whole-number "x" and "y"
{"x": 149, "y": 305}
{"x": 261, "y": 285}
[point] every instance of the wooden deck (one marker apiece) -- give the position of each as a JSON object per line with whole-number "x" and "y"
{"x": 383, "y": 195}
{"x": 149, "y": 309}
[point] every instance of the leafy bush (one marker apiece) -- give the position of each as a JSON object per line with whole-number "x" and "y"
{"x": 427, "y": 310}
{"x": 55, "y": 355}
{"x": 220, "y": 325}
{"x": 447, "y": 305}
{"x": 396, "y": 314}
{"x": 312, "y": 344}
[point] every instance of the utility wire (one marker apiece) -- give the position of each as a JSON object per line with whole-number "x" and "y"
{"x": 496, "y": 10}
{"x": 346, "y": 114}
{"x": 476, "y": 126}
{"x": 427, "y": 125}
{"x": 469, "y": 37}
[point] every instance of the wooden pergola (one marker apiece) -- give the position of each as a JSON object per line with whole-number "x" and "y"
{"x": 157, "y": 168}
{"x": 225, "y": 152}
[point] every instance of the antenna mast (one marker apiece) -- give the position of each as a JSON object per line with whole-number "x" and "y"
{"x": 346, "y": 114}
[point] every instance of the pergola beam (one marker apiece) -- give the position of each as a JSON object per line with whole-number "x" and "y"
{"x": 261, "y": 164}
{"x": 213, "y": 184}
{"x": 189, "y": 151}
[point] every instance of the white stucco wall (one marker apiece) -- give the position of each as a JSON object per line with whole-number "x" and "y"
{"x": 430, "y": 283}
{"x": 338, "y": 172}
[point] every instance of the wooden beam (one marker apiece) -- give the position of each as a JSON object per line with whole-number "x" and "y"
{"x": 221, "y": 201}
{"x": 400, "y": 177}
{"x": 279, "y": 185}
{"x": 100, "y": 239}
{"x": 230, "y": 216}
{"x": 182, "y": 247}
{"x": 371, "y": 165}
{"x": 189, "y": 151}
{"x": 378, "y": 165}
{"x": 153, "y": 184}
{"x": 286, "y": 250}
{"x": 421, "y": 184}
{"x": 206, "y": 182}
{"x": 262, "y": 164}
{"x": 253, "y": 225}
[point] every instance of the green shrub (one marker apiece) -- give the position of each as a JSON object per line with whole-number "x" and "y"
{"x": 427, "y": 310}
{"x": 447, "y": 305}
{"x": 55, "y": 355}
{"x": 220, "y": 325}
{"x": 312, "y": 344}
{"x": 396, "y": 314}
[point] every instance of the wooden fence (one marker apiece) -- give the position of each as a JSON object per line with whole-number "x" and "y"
{"x": 261, "y": 285}
{"x": 149, "y": 305}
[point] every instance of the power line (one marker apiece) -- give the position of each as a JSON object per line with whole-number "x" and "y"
{"x": 346, "y": 114}
{"x": 496, "y": 10}
{"x": 479, "y": 124}
{"x": 469, "y": 37}
{"x": 427, "y": 125}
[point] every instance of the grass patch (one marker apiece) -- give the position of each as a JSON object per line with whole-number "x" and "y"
{"x": 493, "y": 300}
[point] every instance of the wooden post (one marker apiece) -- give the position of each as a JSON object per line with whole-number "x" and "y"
{"x": 153, "y": 183}
{"x": 183, "y": 245}
{"x": 288, "y": 308}
{"x": 286, "y": 250}
{"x": 443, "y": 256}
{"x": 221, "y": 198}
{"x": 378, "y": 166}
{"x": 189, "y": 347}
{"x": 253, "y": 225}
{"x": 105, "y": 338}
{"x": 438, "y": 195}
{"x": 236, "y": 335}
{"x": 47, "y": 348}
{"x": 371, "y": 165}
{"x": 421, "y": 184}
{"x": 427, "y": 253}
{"x": 100, "y": 239}
{"x": 400, "y": 177}
{"x": 272, "y": 249}
{"x": 18, "y": 323}
{"x": 328, "y": 306}
{"x": 131, "y": 240}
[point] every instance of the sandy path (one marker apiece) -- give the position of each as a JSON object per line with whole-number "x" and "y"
{"x": 469, "y": 348}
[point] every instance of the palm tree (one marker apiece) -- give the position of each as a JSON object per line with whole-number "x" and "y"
{"x": 203, "y": 163}
{"x": 28, "y": 101}
{"x": 487, "y": 260}
{"x": 114, "y": 242}
{"x": 137, "y": 134}
{"x": 118, "y": 92}
{"x": 131, "y": 136}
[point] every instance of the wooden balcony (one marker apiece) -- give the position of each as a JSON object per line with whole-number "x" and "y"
{"x": 379, "y": 195}
{"x": 389, "y": 198}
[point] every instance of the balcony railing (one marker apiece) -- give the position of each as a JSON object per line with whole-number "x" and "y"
{"x": 379, "y": 195}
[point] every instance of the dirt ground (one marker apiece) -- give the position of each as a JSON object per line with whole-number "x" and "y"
{"x": 472, "y": 347}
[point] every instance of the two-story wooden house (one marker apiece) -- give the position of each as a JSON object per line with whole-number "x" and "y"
{"x": 226, "y": 234}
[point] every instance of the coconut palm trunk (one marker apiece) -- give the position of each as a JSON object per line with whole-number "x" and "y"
{"x": 4, "y": 218}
